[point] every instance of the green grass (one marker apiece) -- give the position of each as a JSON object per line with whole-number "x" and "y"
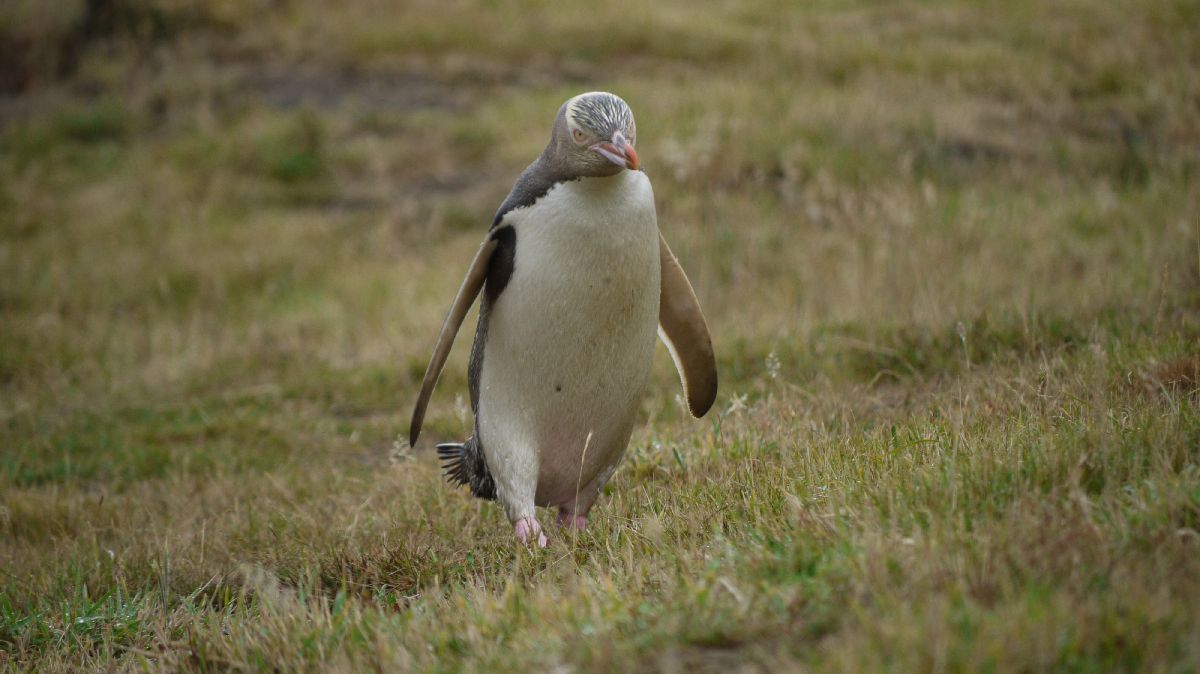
{"x": 949, "y": 252}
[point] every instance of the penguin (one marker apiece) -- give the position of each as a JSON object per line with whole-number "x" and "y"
{"x": 577, "y": 282}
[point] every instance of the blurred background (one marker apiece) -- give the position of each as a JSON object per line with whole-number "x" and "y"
{"x": 230, "y": 229}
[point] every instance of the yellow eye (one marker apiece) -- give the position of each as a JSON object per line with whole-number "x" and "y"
{"x": 578, "y": 135}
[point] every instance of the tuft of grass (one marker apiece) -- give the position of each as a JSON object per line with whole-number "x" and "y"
{"x": 293, "y": 152}
{"x": 107, "y": 121}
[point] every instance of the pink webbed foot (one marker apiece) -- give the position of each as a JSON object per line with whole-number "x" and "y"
{"x": 568, "y": 518}
{"x": 528, "y": 530}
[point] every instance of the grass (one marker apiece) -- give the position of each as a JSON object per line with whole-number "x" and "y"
{"x": 950, "y": 254}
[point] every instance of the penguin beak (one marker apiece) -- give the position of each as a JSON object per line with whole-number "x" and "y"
{"x": 618, "y": 151}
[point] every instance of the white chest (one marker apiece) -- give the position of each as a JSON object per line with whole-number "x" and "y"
{"x": 586, "y": 267}
{"x": 605, "y": 223}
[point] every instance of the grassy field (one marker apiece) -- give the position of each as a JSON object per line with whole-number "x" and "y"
{"x": 949, "y": 251}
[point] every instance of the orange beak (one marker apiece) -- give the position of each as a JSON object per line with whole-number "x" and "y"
{"x": 619, "y": 152}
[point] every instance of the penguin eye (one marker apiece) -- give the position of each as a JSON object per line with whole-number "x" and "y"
{"x": 578, "y": 135}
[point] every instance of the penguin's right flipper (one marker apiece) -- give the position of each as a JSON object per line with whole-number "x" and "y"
{"x": 471, "y": 285}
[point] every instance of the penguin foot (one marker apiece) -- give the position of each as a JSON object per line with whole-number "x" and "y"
{"x": 528, "y": 530}
{"x": 568, "y": 518}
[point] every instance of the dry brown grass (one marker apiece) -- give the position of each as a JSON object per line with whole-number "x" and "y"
{"x": 950, "y": 254}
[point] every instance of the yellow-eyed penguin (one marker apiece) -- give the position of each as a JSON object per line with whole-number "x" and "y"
{"x": 576, "y": 278}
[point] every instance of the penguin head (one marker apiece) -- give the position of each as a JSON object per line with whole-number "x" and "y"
{"x": 594, "y": 135}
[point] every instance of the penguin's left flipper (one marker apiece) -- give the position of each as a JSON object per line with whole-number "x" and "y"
{"x": 467, "y": 293}
{"x": 682, "y": 328}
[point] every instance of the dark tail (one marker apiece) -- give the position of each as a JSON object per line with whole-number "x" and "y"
{"x": 463, "y": 463}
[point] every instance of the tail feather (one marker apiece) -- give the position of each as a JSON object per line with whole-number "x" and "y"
{"x": 463, "y": 464}
{"x": 453, "y": 466}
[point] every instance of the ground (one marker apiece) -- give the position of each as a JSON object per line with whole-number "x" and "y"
{"x": 949, "y": 252}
